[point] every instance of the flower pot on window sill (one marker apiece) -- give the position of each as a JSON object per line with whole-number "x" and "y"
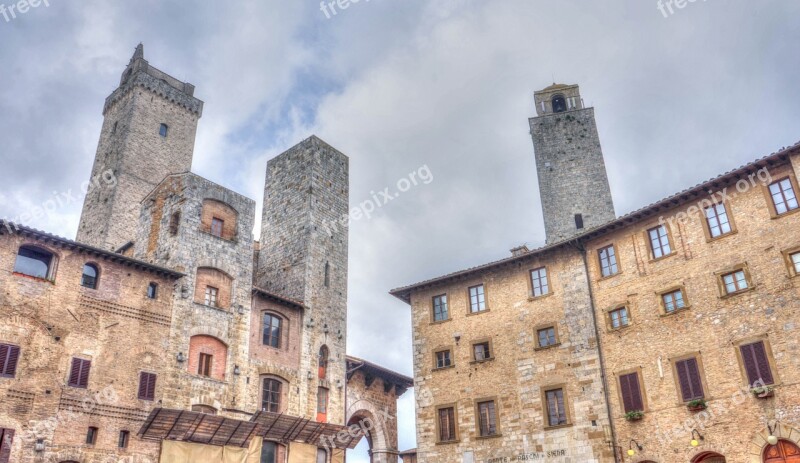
{"x": 697, "y": 405}
{"x": 634, "y": 416}
{"x": 765, "y": 392}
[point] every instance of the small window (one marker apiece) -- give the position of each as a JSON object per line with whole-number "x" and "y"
{"x": 631, "y": 392}
{"x": 619, "y": 318}
{"x": 216, "y": 226}
{"x": 795, "y": 258}
{"x": 539, "y": 282}
{"x": 689, "y": 381}
{"x": 447, "y": 424}
{"x": 756, "y": 364}
{"x": 477, "y": 299}
{"x": 327, "y": 274}
{"x": 717, "y": 220}
{"x": 443, "y": 359}
{"x": 440, "y": 308}
{"x": 556, "y": 408}
{"x": 152, "y": 290}
{"x": 322, "y": 401}
{"x": 559, "y": 104}
{"x": 322, "y": 456}
{"x": 673, "y": 301}
{"x": 91, "y": 435}
{"x": 487, "y": 419}
{"x": 174, "y": 223}
{"x": 323, "y": 362}
{"x": 89, "y": 278}
{"x": 6, "y": 442}
{"x": 163, "y": 129}
{"x": 481, "y": 351}
{"x": 735, "y": 282}
{"x": 124, "y": 437}
{"x": 272, "y": 331}
{"x": 271, "y": 395}
{"x": 547, "y": 337}
{"x": 204, "y": 366}
{"x": 9, "y": 357}
{"x": 79, "y": 373}
{"x": 659, "y": 242}
{"x": 579, "y": 221}
{"x": 783, "y": 196}
{"x": 211, "y": 296}
{"x": 608, "y": 261}
{"x": 34, "y": 262}
{"x": 147, "y": 386}
{"x": 114, "y": 129}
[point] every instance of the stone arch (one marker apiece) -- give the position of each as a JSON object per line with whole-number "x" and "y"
{"x": 364, "y": 415}
{"x": 709, "y": 457}
{"x": 759, "y": 442}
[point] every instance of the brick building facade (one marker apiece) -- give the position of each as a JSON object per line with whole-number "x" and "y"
{"x": 664, "y": 336}
{"x": 165, "y": 331}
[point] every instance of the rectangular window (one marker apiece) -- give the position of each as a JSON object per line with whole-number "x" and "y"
{"x": 147, "y": 386}
{"x": 673, "y": 301}
{"x": 659, "y": 241}
{"x": 481, "y": 351}
{"x": 152, "y": 291}
{"x": 322, "y": 400}
{"x": 717, "y": 220}
{"x": 735, "y": 282}
{"x": 795, "y": 262}
{"x": 691, "y": 385}
{"x": 547, "y": 337}
{"x": 477, "y": 299}
{"x": 579, "y": 221}
{"x": 756, "y": 363}
{"x": 91, "y": 435}
{"x": 124, "y": 437}
{"x": 783, "y": 196}
{"x": 204, "y": 366}
{"x": 163, "y": 129}
{"x": 487, "y": 419}
{"x": 216, "y": 226}
{"x": 440, "y": 308}
{"x": 631, "y": 392}
{"x": 443, "y": 359}
{"x": 608, "y": 261}
{"x": 6, "y": 441}
{"x": 79, "y": 373}
{"x": 211, "y": 296}
{"x": 556, "y": 408}
{"x": 271, "y": 395}
{"x": 447, "y": 424}
{"x": 539, "y": 282}
{"x": 9, "y": 357}
{"x": 619, "y": 318}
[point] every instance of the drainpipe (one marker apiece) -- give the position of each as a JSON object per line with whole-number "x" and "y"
{"x": 603, "y": 376}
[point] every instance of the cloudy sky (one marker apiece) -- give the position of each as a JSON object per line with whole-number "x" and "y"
{"x": 402, "y": 84}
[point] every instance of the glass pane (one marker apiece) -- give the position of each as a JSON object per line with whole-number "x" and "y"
{"x": 268, "y": 452}
{"x": 33, "y": 263}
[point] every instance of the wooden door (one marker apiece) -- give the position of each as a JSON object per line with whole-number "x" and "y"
{"x": 783, "y": 452}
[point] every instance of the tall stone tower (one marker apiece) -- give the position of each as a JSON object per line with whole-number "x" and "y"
{"x": 148, "y": 132}
{"x": 569, "y": 160}
{"x": 303, "y": 256}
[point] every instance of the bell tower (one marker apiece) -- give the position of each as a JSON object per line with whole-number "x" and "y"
{"x": 572, "y": 175}
{"x": 148, "y": 133}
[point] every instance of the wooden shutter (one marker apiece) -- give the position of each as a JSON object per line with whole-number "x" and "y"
{"x": 147, "y": 386}
{"x": 79, "y": 374}
{"x": 756, "y": 363}
{"x": 689, "y": 378}
{"x": 631, "y": 392}
{"x": 6, "y": 439}
{"x": 9, "y": 355}
{"x": 84, "y": 378}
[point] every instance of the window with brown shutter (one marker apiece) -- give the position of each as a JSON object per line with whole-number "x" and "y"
{"x": 487, "y": 418}
{"x": 9, "y": 357}
{"x": 147, "y": 386}
{"x": 204, "y": 366}
{"x": 756, "y": 363}
{"x": 631, "y": 391}
{"x": 79, "y": 374}
{"x": 6, "y": 440}
{"x": 556, "y": 408}
{"x": 691, "y": 385}
{"x": 447, "y": 424}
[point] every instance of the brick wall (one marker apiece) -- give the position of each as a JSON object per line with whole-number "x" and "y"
{"x": 210, "y": 346}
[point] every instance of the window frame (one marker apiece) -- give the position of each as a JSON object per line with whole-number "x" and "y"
{"x": 546, "y": 406}
{"x": 85, "y": 364}
{"x": 205, "y": 365}
{"x": 4, "y": 366}
{"x": 52, "y": 266}
{"x": 149, "y": 389}
{"x": 96, "y": 282}
{"x": 482, "y": 294}
{"x": 163, "y": 130}
{"x": 767, "y": 351}
{"x": 707, "y": 223}
{"x": 723, "y": 289}
{"x": 616, "y": 308}
{"x": 600, "y": 267}
{"x": 670, "y": 291}
{"x": 532, "y": 285}
{"x": 546, "y": 326}
{"x": 478, "y": 418}
{"x": 436, "y": 353}
{"x": 262, "y": 393}
{"x": 443, "y": 297}
{"x": 124, "y": 439}
{"x": 642, "y": 392}
{"x": 773, "y": 209}
{"x": 700, "y": 373}
{"x": 794, "y": 269}
{"x": 323, "y": 392}
{"x": 211, "y": 296}
{"x": 217, "y": 227}
{"x": 481, "y": 342}
{"x": 154, "y": 286}
{"x": 670, "y": 242}
{"x": 454, "y": 417}
{"x": 91, "y": 435}
{"x": 280, "y": 320}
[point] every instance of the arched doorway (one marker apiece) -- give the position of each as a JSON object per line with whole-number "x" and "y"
{"x": 709, "y": 457}
{"x": 783, "y": 452}
{"x": 365, "y": 420}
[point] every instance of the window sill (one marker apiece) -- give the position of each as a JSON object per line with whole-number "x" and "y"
{"x": 611, "y": 329}
{"x": 227, "y": 240}
{"x": 553, "y": 346}
{"x": 711, "y": 239}
{"x": 664, "y": 257}
{"x": 536, "y": 298}
{"x": 664, "y": 314}
{"x": 737, "y": 293}
{"x": 439, "y": 322}
{"x": 208, "y": 378}
{"x": 775, "y": 215}
{"x": 608, "y": 277}
{"x": 31, "y": 277}
{"x": 475, "y": 362}
{"x": 443, "y": 368}
{"x": 448, "y": 442}
{"x": 472, "y": 314}
{"x": 213, "y": 307}
{"x": 560, "y": 426}
{"x": 493, "y": 436}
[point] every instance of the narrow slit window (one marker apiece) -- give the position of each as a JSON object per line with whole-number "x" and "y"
{"x": 163, "y": 130}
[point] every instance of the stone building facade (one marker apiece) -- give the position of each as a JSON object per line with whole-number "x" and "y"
{"x": 677, "y": 323}
{"x": 165, "y": 328}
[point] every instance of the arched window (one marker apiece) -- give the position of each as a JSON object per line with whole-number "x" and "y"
{"x": 208, "y": 357}
{"x": 271, "y": 390}
{"x": 559, "y": 103}
{"x": 35, "y": 262}
{"x": 323, "y": 362}
{"x": 89, "y": 278}
{"x": 218, "y": 219}
{"x": 272, "y": 330}
{"x": 322, "y": 456}
{"x": 213, "y": 288}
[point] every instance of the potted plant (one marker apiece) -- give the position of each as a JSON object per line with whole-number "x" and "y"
{"x": 634, "y": 415}
{"x": 763, "y": 392}
{"x": 697, "y": 405}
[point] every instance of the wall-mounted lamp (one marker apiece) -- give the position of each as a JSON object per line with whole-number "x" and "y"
{"x": 180, "y": 358}
{"x": 236, "y": 370}
{"x": 772, "y": 439}
{"x": 339, "y": 383}
{"x": 631, "y": 451}
{"x": 457, "y": 337}
{"x": 696, "y": 441}
{"x": 310, "y": 376}
{"x": 241, "y": 309}
{"x": 39, "y": 445}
